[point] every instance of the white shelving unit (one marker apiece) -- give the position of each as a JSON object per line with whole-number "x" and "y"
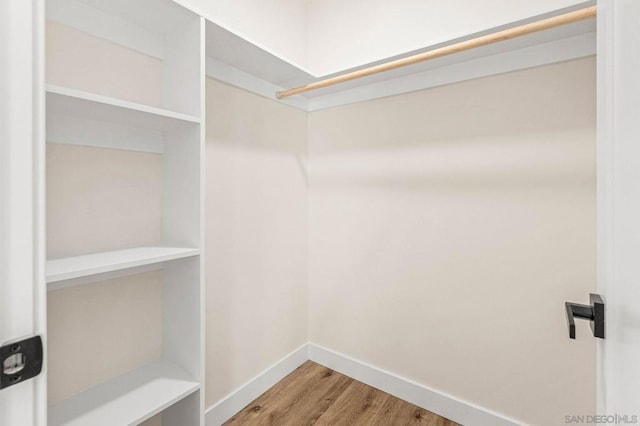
{"x": 171, "y": 386}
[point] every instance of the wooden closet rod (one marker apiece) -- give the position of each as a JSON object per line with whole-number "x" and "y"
{"x": 533, "y": 27}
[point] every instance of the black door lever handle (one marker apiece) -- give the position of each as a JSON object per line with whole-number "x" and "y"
{"x": 594, "y": 312}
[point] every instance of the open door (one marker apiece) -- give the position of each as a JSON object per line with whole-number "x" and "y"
{"x": 22, "y": 287}
{"x": 619, "y": 207}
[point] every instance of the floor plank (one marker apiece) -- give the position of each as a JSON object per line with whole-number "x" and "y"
{"x": 308, "y": 409}
{"x": 282, "y": 393}
{"x": 397, "y": 412}
{"x": 317, "y": 395}
{"x": 359, "y": 404}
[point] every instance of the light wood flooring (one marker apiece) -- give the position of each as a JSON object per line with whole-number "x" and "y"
{"x": 317, "y": 395}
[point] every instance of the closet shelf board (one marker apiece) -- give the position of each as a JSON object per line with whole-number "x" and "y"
{"x": 76, "y": 103}
{"x": 98, "y": 263}
{"x": 126, "y": 400}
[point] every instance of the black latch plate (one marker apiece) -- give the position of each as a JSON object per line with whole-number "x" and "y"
{"x": 31, "y": 351}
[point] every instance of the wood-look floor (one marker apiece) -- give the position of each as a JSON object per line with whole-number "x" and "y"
{"x": 317, "y": 395}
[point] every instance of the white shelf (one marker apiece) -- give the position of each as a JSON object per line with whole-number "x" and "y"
{"x": 126, "y": 400}
{"x": 98, "y": 263}
{"x": 76, "y": 103}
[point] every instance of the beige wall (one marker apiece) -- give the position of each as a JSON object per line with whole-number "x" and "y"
{"x": 80, "y": 61}
{"x": 99, "y": 331}
{"x": 256, "y": 236}
{"x": 448, "y": 227}
{"x": 101, "y": 199}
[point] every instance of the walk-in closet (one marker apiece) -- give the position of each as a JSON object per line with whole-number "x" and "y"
{"x": 319, "y": 212}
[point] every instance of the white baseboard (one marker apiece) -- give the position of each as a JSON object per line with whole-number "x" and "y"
{"x": 444, "y": 405}
{"x": 437, "y": 402}
{"x": 222, "y": 411}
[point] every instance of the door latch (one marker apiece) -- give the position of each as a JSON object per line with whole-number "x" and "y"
{"x": 594, "y": 312}
{"x": 20, "y": 361}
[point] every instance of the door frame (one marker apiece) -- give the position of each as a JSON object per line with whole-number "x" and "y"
{"x": 22, "y": 196}
{"x": 618, "y": 205}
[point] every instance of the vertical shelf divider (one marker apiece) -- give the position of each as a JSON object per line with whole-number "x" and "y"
{"x": 183, "y": 208}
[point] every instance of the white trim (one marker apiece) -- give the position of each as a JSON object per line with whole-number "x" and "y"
{"x": 459, "y": 411}
{"x": 238, "y": 78}
{"x": 40, "y": 295}
{"x": 605, "y": 185}
{"x": 22, "y": 288}
{"x": 223, "y": 410}
{"x": 542, "y": 54}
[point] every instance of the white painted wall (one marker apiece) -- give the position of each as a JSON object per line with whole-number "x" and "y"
{"x": 277, "y": 26}
{"x": 256, "y": 236}
{"x": 345, "y": 34}
{"x": 447, "y": 228}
